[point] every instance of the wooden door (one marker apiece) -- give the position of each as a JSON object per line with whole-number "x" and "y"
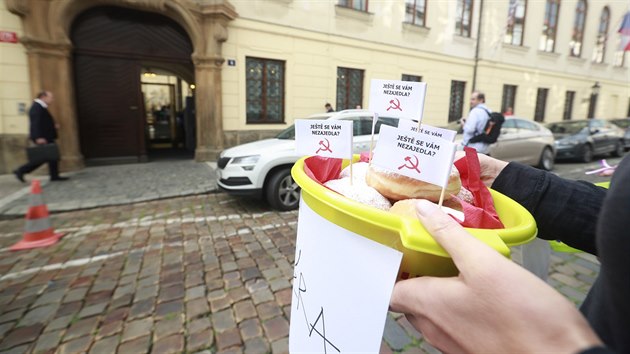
{"x": 109, "y": 107}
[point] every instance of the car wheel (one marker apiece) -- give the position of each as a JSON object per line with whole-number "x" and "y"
{"x": 619, "y": 149}
{"x": 546, "y": 160}
{"x": 587, "y": 153}
{"x": 282, "y": 192}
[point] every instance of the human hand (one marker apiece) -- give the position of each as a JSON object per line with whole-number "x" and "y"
{"x": 40, "y": 141}
{"x": 489, "y": 167}
{"x": 493, "y": 306}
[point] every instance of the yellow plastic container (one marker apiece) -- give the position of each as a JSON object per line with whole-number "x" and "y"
{"x": 421, "y": 254}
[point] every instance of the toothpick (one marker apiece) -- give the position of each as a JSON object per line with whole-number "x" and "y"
{"x": 374, "y": 119}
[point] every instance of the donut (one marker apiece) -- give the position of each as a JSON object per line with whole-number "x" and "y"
{"x": 359, "y": 170}
{"x": 407, "y": 208}
{"x": 359, "y": 192}
{"x": 398, "y": 187}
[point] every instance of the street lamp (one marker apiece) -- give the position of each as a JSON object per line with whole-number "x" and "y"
{"x": 596, "y": 88}
{"x": 593, "y": 101}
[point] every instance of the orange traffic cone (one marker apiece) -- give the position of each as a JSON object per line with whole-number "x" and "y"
{"x": 38, "y": 231}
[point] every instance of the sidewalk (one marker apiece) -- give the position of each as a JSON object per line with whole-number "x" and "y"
{"x": 110, "y": 185}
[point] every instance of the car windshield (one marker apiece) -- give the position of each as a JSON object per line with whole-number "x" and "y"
{"x": 287, "y": 134}
{"x": 568, "y": 127}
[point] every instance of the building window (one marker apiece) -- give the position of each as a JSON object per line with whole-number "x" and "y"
{"x": 265, "y": 90}
{"x": 568, "y": 105}
{"x": 415, "y": 12}
{"x": 456, "y": 103}
{"x": 624, "y": 40}
{"x": 360, "y": 5}
{"x": 412, "y": 78}
{"x": 541, "y": 104}
{"x": 550, "y": 24}
{"x": 349, "y": 88}
{"x": 516, "y": 22}
{"x": 509, "y": 97}
{"x": 463, "y": 18}
{"x": 575, "y": 45}
{"x": 602, "y": 35}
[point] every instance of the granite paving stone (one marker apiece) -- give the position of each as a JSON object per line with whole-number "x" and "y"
{"x": 166, "y": 328}
{"x": 75, "y": 346}
{"x": 138, "y": 345}
{"x": 198, "y": 325}
{"x": 39, "y": 315}
{"x": 223, "y": 320}
{"x": 21, "y": 335}
{"x": 281, "y": 346}
{"x": 276, "y": 328}
{"x": 250, "y": 328}
{"x": 81, "y": 328}
{"x": 256, "y": 346}
{"x": 137, "y": 328}
{"x": 105, "y": 345}
{"x": 169, "y": 345}
{"x": 47, "y": 341}
{"x": 228, "y": 338}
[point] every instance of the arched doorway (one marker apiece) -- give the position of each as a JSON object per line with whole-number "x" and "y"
{"x": 113, "y": 48}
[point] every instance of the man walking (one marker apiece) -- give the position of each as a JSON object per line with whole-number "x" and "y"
{"x": 475, "y": 124}
{"x": 43, "y": 130}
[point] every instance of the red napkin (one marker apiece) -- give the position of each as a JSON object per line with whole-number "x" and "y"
{"x": 482, "y": 215}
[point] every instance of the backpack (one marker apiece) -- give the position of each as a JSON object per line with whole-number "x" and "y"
{"x": 492, "y": 130}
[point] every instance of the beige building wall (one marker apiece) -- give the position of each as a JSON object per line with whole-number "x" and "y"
{"x": 15, "y": 93}
{"x": 314, "y": 38}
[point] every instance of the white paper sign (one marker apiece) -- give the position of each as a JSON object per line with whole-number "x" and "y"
{"x": 342, "y": 284}
{"x": 411, "y": 125}
{"x": 415, "y": 155}
{"x": 399, "y": 99}
{"x": 327, "y": 138}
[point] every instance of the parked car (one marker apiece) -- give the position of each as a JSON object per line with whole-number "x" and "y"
{"x": 584, "y": 139}
{"x": 624, "y": 123}
{"x": 263, "y": 168}
{"x": 521, "y": 140}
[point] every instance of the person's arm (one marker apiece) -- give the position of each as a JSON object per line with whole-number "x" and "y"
{"x": 493, "y": 306}
{"x": 564, "y": 210}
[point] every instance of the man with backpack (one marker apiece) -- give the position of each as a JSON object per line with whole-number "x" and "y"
{"x": 482, "y": 127}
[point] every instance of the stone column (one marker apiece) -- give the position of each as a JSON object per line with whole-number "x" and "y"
{"x": 208, "y": 112}
{"x": 50, "y": 68}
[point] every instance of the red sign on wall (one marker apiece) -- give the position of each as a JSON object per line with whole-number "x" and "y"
{"x": 9, "y": 37}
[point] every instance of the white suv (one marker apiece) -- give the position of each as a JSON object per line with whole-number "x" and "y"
{"x": 263, "y": 168}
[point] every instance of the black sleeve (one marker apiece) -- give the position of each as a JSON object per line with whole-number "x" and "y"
{"x": 564, "y": 210}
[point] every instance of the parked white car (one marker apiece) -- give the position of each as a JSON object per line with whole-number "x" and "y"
{"x": 263, "y": 168}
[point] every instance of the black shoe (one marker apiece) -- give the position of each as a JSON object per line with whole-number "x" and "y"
{"x": 19, "y": 175}
{"x": 59, "y": 179}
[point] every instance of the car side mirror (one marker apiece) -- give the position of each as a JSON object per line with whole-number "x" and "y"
{"x": 594, "y": 131}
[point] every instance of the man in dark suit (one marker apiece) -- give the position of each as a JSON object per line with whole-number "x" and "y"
{"x": 43, "y": 130}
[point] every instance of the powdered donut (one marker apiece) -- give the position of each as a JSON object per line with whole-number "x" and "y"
{"x": 359, "y": 192}
{"x": 466, "y": 195}
{"x": 359, "y": 170}
{"x": 397, "y": 187}
{"x": 407, "y": 208}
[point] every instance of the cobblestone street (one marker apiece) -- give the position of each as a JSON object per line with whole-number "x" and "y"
{"x": 205, "y": 273}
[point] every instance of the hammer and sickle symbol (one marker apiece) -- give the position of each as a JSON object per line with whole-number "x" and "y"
{"x": 394, "y": 104}
{"x": 413, "y": 165}
{"x": 325, "y": 146}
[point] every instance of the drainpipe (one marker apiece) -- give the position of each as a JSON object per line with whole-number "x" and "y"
{"x": 474, "y": 83}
